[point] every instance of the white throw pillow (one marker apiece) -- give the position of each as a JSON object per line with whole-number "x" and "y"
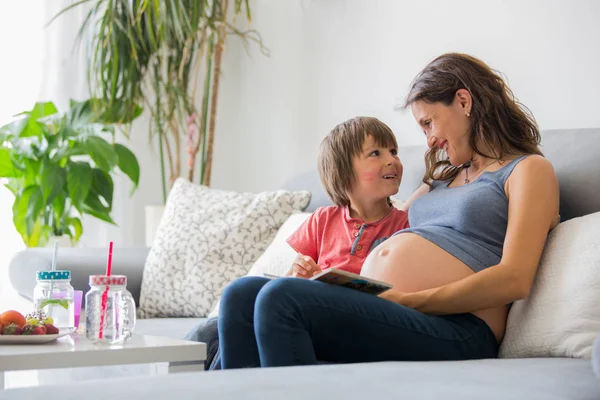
{"x": 206, "y": 239}
{"x": 561, "y": 316}
{"x": 278, "y": 257}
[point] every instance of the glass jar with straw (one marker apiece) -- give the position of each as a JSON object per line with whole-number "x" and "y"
{"x": 110, "y": 308}
{"x": 53, "y": 295}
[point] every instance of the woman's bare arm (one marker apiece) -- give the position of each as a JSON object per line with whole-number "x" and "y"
{"x": 533, "y": 195}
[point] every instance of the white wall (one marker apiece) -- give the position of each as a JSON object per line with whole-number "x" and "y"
{"x": 335, "y": 59}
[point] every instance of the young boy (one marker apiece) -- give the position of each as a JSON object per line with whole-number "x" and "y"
{"x": 360, "y": 170}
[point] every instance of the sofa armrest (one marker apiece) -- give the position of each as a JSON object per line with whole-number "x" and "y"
{"x": 82, "y": 262}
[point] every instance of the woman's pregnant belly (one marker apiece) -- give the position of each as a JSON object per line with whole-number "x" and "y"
{"x": 412, "y": 263}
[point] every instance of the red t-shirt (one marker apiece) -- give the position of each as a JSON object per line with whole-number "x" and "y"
{"x": 333, "y": 239}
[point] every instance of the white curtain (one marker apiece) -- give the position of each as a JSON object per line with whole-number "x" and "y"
{"x": 21, "y": 69}
{"x": 64, "y": 78}
{"x": 42, "y": 64}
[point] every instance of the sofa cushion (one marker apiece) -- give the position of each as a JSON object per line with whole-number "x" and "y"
{"x": 491, "y": 379}
{"x": 278, "y": 257}
{"x": 175, "y": 328}
{"x": 596, "y": 356}
{"x": 207, "y": 238}
{"x": 561, "y": 316}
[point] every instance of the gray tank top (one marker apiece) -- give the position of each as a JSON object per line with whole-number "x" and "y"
{"x": 467, "y": 221}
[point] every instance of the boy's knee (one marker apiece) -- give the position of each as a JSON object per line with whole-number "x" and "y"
{"x": 241, "y": 291}
{"x": 278, "y": 294}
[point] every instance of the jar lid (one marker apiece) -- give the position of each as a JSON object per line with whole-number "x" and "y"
{"x": 59, "y": 275}
{"x": 104, "y": 280}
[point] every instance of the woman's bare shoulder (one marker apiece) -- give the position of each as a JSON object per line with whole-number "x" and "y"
{"x": 535, "y": 162}
{"x": 534, "y": 180}
{"x": 531, "y": 169}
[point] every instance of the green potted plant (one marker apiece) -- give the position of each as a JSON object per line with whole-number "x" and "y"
{"x": 164, "y": 54}
{"x": 59, "y": 166}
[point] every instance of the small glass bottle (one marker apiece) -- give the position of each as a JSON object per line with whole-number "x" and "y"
{"x": 53, "y": 295}
{"x": 109, "y": 310}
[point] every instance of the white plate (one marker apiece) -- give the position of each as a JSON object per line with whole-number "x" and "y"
{"x": 32, "y": 339}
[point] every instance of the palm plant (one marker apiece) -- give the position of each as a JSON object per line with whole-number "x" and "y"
{"x": 154, "y": 53}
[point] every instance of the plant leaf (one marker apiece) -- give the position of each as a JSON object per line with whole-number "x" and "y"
{"x": 31, "y": 171}
{"x": 33, "y": 126}
{"x": 41, "y": 110}
{"x": 64, "y": 10}
{"x": 102, "y": 186}
{"x": 15, "y": 186}
{"x": 53, "y": 179}
{"x": 118, "y": 113}
{"x": 36, "y": 204}
{"x": 104, "y": 216}
{"x": 27, "y": 209}
{"x": 59, "y": 302}
{"x": 59, "y": 204}
{"x": 7, "y": 169}
{"x": 79, "y": 182}
{"x": 75, "y": 228}
{"x": 128, "y": 164}
{"x": 39, "y": 235}
{"x": 102, "y": 189}
{"x": 103, "y": 154}
{"x": 82, "y": 113}
{"x": 14, "y": 128}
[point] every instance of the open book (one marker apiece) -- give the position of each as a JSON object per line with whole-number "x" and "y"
{"x": 348, "y": 279}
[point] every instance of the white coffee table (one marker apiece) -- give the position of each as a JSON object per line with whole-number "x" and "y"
{"x": 76, "y": 351}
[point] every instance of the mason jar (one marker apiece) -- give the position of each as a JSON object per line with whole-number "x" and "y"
{"x": 53, "y": 295}
{"x": 109, "y": 310}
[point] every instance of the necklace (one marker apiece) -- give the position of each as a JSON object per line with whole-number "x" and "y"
{"x": 467, "y": 180}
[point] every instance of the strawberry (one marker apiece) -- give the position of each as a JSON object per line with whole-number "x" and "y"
{"x": 51, "y": 329}
{"x": 12, "y": 329}
{"x": 28, "y": 329}
{"x": 39, "y": 330}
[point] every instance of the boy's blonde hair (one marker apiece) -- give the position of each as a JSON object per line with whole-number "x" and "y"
{"x": 340, "y": 146}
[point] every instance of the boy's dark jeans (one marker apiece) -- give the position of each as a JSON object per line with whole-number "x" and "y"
{"x": 291, "y": 321}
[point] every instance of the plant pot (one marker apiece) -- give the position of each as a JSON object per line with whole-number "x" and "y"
{"x": 63, "y": 241}
{"x": 153, "y": 216}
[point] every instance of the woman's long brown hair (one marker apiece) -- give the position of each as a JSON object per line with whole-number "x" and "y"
{"x": 498, "y": 120}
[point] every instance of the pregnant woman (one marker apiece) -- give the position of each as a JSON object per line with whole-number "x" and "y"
{"x": 478, "y": 227}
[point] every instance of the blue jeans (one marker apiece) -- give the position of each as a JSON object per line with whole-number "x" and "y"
{"x": 292, "y": 321}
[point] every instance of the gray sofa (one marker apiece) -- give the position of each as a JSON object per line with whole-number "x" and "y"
{"x": 574, "y": 154}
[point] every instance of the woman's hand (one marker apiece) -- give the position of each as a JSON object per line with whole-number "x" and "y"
{"x": 304, "y": 267}
{"x": 402, "y": 298}
{"x": 392, "y": 295}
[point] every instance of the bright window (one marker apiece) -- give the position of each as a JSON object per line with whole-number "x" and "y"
{"x": 21, "y": 46}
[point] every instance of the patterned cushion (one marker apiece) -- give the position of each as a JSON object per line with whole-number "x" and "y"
{"x": 206, "y": 239}
{"x": 278, "y": 257}
{"x": 561, "y": 316}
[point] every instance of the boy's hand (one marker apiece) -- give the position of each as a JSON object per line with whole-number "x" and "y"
{"x": 304, "y": 267}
